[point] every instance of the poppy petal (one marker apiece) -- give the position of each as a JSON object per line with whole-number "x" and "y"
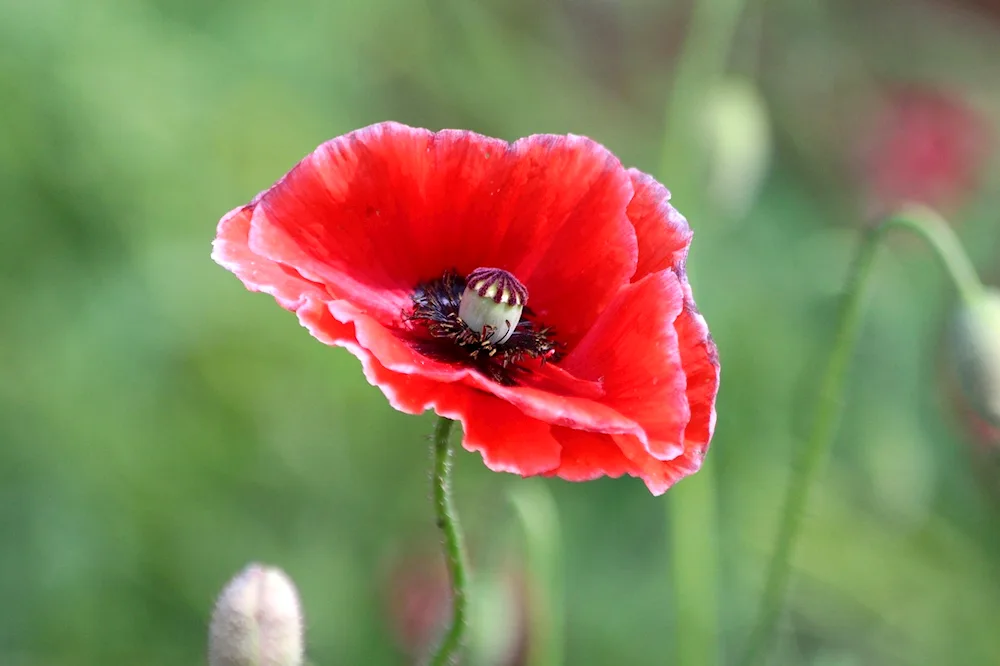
{"x": 701, "y": 365}
{"x": 587, "y": 456}
{"x": 508, "y": 439}
{"x": 583, "y": 247}
{"x": 663, "y": 233}
{"x": 634, "y": 350}
{"x": 231, "y": 250}
{"x": 377, "y": 211}
{"x": 659, "y": 475}
{"x": 553, "y": 408}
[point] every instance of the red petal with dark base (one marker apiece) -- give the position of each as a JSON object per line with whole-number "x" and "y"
{"x": 346, "y": 236}
{"x": 382, "y": 209}
{"x": 558, "y": 408}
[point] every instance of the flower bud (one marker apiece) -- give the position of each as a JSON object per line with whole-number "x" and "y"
{"x": 257, "y": 621}
{"x": 739, "y": 142}
{"x": 975, "y": 348}
{"x": 493, "y": 300}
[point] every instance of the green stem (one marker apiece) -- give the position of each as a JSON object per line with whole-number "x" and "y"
{"x": 539, "y": 517}
{"x": 939, "y": 235}
{"x": 691, "y": 510}
{"x": 454, "y": 547}
{"x": 941, "y": 238}
{"x": 694, "y": 563}
{"x": 700, "y": 67}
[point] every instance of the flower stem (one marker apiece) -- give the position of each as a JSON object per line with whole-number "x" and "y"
{"x": 700, "y": 67}
{"x": 691, "y": 507}
{"x": 694, "y": 563}
{"x": 941, "y": 238}
{"x": 939, "y": 235}
{"x": 536, "y": 509}
{"x": 454, "y": 546}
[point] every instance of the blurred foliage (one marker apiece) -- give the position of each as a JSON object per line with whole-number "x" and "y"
{"x": 160, "y": 426}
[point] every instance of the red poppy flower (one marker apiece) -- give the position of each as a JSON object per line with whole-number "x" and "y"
{"x": 576, "y": 351}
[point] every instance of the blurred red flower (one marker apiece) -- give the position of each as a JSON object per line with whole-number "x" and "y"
{"x": 609, "y": 369}
{"x": 418, "y": 604}
{"x": 924, "y": 146}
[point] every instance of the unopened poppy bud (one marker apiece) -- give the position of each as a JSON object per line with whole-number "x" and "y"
{"x": 493, "y": 301}
{"x": 257, "y": 621}
{"x": 975, "y": 346}
{"x": 739, "y": 142}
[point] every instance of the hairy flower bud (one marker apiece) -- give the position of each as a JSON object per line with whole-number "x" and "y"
{"x": 975, "y": 348}
{"x": 257, "y": 621}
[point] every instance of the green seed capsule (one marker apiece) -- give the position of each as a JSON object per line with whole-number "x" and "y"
{"x": 492, "y": 303}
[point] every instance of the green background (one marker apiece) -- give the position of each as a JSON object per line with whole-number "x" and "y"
{"x": 160, "y": 426}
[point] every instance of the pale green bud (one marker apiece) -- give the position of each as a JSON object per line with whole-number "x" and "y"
{"x": 739, "y": 144}
{"x": 975, "y": 348}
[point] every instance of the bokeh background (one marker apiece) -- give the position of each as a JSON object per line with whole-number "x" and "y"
{"x": 160, "y": 427}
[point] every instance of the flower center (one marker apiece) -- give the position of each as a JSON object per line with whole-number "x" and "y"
{"x": 492, "y": 303}
{"x": 481, "y": 321}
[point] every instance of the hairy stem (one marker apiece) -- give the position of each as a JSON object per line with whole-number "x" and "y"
{"x": 454, "y": 546}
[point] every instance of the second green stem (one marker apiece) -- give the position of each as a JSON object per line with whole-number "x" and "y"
{"x": 941, "y": 238}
